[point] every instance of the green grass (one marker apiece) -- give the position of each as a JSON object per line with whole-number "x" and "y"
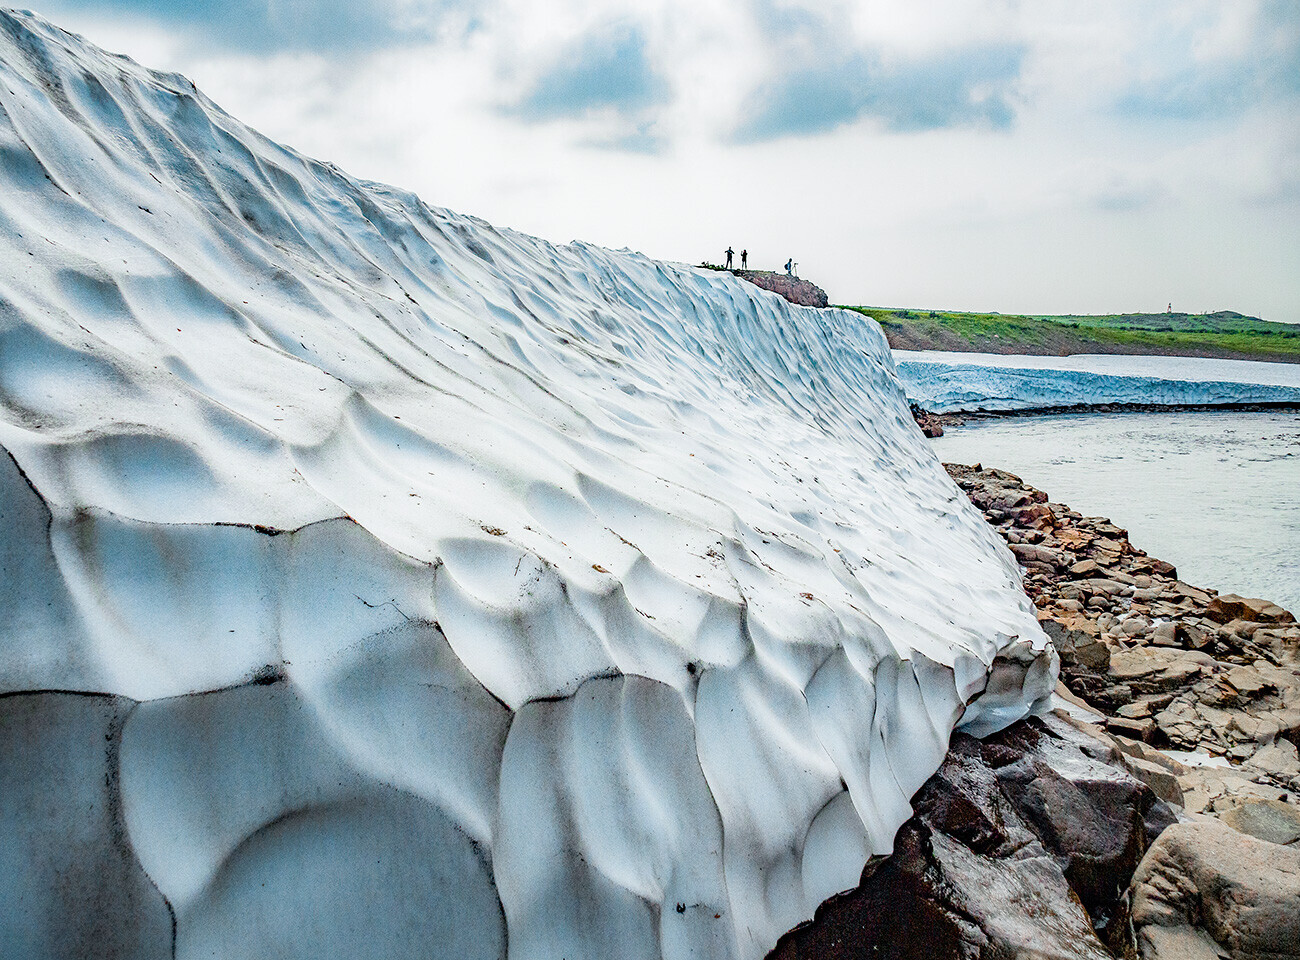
{"x": 971, "y": 326}
{"x": 1223, "y": 321}
{"x": 1217, "y": 332}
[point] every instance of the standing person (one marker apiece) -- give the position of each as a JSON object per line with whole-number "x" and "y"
{"x": 744, "y": 259}
{"x": 789, "y": 267}
{"x": 730, "y": 252}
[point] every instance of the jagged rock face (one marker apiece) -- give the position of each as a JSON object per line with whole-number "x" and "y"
{"x": 432, "y": 588}
{"x": 804, "y": 293}
{"x": 1022, "y": 845}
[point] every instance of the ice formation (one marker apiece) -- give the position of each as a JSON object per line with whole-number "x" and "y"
{"x": 377, "y": 583}
{"x": 955, "y": 382}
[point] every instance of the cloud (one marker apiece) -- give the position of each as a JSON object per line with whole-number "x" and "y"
{"x": 262, "y": 26}
{"x": 606, "y": 70}
{"x": 1214, "y": 72}
{"x": 969, "y": 87}
{"x": 644, "y": 139}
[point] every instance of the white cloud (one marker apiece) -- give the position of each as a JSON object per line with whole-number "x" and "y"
{"x": 1126, "y": 164}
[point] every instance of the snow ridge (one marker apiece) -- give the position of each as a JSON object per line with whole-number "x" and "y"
{"x": 431, "y": 584}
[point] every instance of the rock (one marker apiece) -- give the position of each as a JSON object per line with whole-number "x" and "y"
{"x": 1021, "y": 846}
{"x": 1142, "y": 730}
{"x": 1270, "y": 820}
{"x": 1199, "y": 597}
{"x": 935, "y": 899}
{"x": 1077, "y": 641}
{"x": 1205, "y": 890}
{"x": 1102, "y": 585}
{"x": 1085, "y": 568}
{"x": 1238, "y": 627}
{"x": 797, "y": 291}
{"x": 1247, "y": 682}
{"x": 1154, "y": 670}
{"x": 1230, "y": 607}
{"x": 1161, "y": 568}
{"x": 1163, "y": 782}
{"x": 1165, "y": 634}
{"x": 929, "y": 423}
{"x": 1138, "y": 710}
{"x": 1054, "y": 559}
{"x": 1278, "y": 760}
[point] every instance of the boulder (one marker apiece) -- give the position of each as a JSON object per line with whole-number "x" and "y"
{"x": 1278, "y": 760}
{"x": 1077, "y": 640}
{"x": 1021, "y": 846}
{"x": 1270, "y": 820}
{"x": 1162, "y": 781}
{"x": 1156, "y": 669}
{"x": 1247, "y": 682}
{"x": 1229, "y": 607}
{"x": 1205, "y": 890}
{"x": 1054, "y": 559}
{"x": 1085, "y": 568}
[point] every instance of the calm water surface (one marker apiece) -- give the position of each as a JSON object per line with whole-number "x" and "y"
{"x": 1216, "y": 494}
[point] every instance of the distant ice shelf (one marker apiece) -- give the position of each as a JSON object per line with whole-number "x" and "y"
{"x": 378, "y": 583}
{"x": 946, "y": 382}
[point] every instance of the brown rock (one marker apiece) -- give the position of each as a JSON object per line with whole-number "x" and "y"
{"x": 1270, "y": 820}
{"x": 1015, "y": 850}
{"x": 1164, "y": 569}
{"x": 1247, "y": 682}
{"x": 1101, "y": 585}
{"x": 1279, "y": 760}
{"x": 1155, "y": 669}
{"x": 1143, "y": 730}
{"x": 794, "y": 289}
{"x": 1200, "y": 597}
{"x": 1163, "y": 782}
{"x": 1205, "y": 890}
{"x": 1167, "y": 634}
{"x": 1232, "y": 607}
{"x": 1085, "y": 568}
{"x": 1054, "y": 559}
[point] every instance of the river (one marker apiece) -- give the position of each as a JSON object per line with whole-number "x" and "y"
{"x": 1216, "y": 494}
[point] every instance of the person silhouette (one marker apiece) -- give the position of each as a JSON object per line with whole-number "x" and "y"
{"x": 730, "y": 252}
{"x": 744, "y": 259}
{"x": 789, "y": 267}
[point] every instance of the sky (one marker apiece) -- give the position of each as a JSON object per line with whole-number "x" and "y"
{"x": 1020, "y": 156}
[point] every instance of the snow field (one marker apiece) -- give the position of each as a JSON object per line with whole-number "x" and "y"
{"x": 388, "y": 583}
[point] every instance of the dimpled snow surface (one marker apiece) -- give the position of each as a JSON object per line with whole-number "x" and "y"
{"x": 377, "y": 583}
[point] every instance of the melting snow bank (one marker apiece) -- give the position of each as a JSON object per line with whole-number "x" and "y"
{"x": 945, "y": 382}
{"x": 411, "y": 584}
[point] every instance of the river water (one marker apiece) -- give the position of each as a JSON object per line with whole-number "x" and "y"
{"x": 1195, "y": 369}
{"x": 1216, "y": 494}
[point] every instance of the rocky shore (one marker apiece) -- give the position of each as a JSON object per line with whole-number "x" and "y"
{"x": 1167, "y": 664}
{"x": 928, "y": 421}
{"x": 1154, "y": 817}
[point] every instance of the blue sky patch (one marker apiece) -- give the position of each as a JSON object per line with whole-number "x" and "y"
{"x": 608, "y": 69}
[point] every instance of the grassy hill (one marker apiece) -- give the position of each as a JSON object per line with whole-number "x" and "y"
{"x": 1222, "y": 334}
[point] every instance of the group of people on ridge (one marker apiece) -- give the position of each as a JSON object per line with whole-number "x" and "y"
{"x": 744, "y": 261}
